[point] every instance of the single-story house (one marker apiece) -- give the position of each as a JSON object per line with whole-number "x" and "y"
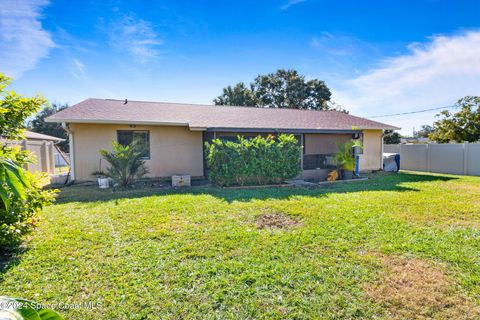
{"x": 42, "y": 146}
{"x": 175, "y": 133}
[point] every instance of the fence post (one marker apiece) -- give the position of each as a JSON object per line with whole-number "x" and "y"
{"x": 400, "y": 153}
{"x": 465, "y": 158}
{"x": 428, "y": 157}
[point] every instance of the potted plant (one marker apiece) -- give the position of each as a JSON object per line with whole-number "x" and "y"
{"x": 102, "y": 178}
{"x": 345, "y": 160}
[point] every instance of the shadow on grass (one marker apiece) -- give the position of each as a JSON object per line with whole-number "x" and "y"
{"x": 10, "y": 259}
{"x": 377, "y": 182}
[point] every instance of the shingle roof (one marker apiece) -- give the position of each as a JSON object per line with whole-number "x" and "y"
{"x": 208, "y": 116}
{"x": 30, "y": 135}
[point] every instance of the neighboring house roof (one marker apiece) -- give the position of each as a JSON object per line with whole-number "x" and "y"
{"x": 30, "y": 135}
{"x": 202, "y": 117}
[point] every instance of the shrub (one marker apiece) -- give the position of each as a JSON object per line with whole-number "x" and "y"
{"x": 126, "y": 163}
{"x": 21, "y": 194}
{"x": 24, "y": 198}
{"x": 257, "y": 161}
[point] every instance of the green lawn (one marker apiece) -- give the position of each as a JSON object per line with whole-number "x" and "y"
{"x": 367, "y": 250}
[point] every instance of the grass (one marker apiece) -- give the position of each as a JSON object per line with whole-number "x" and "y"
{"x": 199, "y": 253}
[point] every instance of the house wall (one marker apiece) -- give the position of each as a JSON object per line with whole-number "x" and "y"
{"x": 371, "y": 159}
{"x": 177, "y": 150}
{"x": 173, "y": 150}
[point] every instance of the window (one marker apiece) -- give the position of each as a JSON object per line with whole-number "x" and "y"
{"x": 126, "y": 137}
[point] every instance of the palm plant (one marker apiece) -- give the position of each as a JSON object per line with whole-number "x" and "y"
{"x": 344, "y": 158}
{"x": 126, "y": 163}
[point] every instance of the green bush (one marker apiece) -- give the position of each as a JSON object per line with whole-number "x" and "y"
{"x": 22, "y": 198}
{"x": 21, "y": 194}
{"x": 257, "y": 161}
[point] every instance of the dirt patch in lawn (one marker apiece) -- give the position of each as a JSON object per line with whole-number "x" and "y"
{"x": 415, "y": 289}
{"x": 275, "y": 221}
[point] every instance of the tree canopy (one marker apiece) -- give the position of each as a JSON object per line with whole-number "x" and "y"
{"x": 424, "y": 132}
{"x": 39, "y": 125}
{"x": 391, "y": 137}
{"x": 281, "y": 89}
{"x": 238, "y": 95}
{"x": 14, "y": 110}
{"x": 461, "y": 126}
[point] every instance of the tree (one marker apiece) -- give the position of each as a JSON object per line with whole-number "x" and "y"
{"x": 239, "y": 95}
{"x": 391, "y": 137}
{"x": 462, "y": 126}
{"x": 38, "y": 124}
{"x": 424, "y": 132}
{"x": 282, "y": 89}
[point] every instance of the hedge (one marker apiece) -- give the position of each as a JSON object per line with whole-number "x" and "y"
{"x": 257, "y": 161}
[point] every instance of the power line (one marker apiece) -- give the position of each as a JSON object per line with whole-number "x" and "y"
{"x": 411, "y": 112}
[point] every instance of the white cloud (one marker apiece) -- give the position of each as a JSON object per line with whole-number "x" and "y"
{"x": 23, "y": 41}
{"x": 78, "y": 69}
{"x": 135, "y": 36}
{"x": 290, "y": 3}
{"x": 433, "y": 74}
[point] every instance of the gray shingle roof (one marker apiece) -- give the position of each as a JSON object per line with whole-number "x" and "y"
{"x": 208, "y": 116}
{"x": 30, "y": 135}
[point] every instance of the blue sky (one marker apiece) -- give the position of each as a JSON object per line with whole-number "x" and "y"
{"x": 378, "y": 57}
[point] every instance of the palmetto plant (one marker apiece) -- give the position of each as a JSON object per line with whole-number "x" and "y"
{"x": 126, "y": 163}
{"x": 20, "y": 309}
{"x": 344, "y": 158}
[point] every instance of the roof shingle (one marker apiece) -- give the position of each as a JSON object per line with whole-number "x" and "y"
{"x": 208, "y": 116}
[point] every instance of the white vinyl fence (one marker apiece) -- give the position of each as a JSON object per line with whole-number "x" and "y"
{"x": 454, "y": 158}
{"x": 60, "y": 160}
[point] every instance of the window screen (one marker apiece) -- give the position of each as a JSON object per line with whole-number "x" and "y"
{"x": 318, "y": 161}
{"x": 126, "y": 137}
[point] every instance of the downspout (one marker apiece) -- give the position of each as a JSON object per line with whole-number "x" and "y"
{"x": 70, "y": 149}
{"x": 381, "y": 148}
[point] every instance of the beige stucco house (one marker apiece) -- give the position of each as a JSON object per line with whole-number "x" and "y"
{"x": 175, "y": 134}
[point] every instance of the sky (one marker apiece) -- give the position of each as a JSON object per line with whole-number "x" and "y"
{"x": 378, "y": 57}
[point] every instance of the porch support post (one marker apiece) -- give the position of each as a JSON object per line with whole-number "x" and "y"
{"x": 302, "y": 152}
